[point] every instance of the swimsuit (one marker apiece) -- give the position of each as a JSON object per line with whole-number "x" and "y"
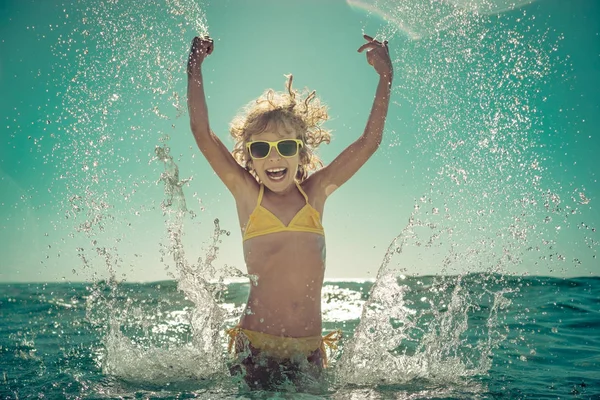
{"x": 269, "y": 358}
{"x": 283, "y": 347}
{"x": 266, "y": 362}
{"x": 263, "y": 222}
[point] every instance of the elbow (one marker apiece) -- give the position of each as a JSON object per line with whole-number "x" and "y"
{"x": 378, "y": 139}
{"x": 373, "y": 148}
{"x": 372, "y": 142}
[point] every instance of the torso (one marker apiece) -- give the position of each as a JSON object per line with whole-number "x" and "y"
{"x": 290, "y": 268}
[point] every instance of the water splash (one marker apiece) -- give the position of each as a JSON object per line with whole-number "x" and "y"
{"x": 475, "y": 93}
{"x": 490, "y": 6}
{"x": 416, "y": 20}
{"x": 124, "y": 65}
{"x": 418, "y": 332}
{"x": 422, "y": 19}
{"x": 202, "y": 357}
{"x": 125, "y": 62}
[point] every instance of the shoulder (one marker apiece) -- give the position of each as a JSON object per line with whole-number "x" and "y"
{"x": 246, "y": 199}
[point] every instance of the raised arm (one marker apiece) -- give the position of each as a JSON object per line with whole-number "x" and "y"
{"x": 356, "y": 155}
{"x": 220, "y": 159}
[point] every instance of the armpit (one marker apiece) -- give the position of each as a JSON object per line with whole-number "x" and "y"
{"x": 330, "y": 189}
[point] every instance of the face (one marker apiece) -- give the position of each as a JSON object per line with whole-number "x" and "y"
{"x": 276, "y": 172}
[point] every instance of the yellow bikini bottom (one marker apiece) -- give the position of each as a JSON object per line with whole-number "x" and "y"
{"x": 286, "y": 347}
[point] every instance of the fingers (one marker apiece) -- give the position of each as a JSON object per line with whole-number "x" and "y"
{"x": 365, "y": 46}
{"x": 205, "y": 39}
{"x": 203, "y": 45}
{"x": 201, "y": 48}
{"x": 370, "y": 39}
{"x": 372, "y": 43}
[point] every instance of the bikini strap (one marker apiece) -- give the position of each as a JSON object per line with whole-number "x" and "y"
{"x": 302, "y": 192}
{"x": 260, "y": 194}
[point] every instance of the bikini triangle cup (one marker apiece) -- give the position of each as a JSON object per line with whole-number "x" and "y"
{"x": 264, "y": 222}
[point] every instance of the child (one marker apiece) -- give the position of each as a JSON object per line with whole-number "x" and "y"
{"x": 280, "y": 209}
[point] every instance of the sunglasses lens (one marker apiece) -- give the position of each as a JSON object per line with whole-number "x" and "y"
{"x": 287, "y": 148}
{"x": 259, "y": 149}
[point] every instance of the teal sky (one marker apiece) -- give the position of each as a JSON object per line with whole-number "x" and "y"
{"x": 491, "y": 140}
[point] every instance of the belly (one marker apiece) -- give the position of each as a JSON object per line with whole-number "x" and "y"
{"x": 286, "y": 298}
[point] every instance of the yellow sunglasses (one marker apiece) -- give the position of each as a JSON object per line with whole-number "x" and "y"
{"x": 286, "y": 148}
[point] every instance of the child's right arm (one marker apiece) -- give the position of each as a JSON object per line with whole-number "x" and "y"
{"x": 220, "y": 159}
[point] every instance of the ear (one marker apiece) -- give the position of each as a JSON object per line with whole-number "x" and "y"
{"x": 304, "y": 156}
{"x": 301, "y": 173}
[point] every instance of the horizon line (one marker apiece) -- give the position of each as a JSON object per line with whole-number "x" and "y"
{"x": 327, "y": 280}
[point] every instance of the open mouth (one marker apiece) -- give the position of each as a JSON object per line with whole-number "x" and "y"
{"x": 276, "y": 174}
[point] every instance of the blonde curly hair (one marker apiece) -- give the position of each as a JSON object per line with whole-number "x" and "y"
{"x": 279, "y": 111}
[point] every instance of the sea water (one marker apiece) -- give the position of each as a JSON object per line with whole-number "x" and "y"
{"x": 449, "y": 338}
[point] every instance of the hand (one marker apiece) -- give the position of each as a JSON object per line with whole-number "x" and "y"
{"x": 378, "y": 56}
{"x": 201, "y": 48}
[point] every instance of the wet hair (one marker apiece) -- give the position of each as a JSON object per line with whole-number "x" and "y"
{"x": 298, "y": 113}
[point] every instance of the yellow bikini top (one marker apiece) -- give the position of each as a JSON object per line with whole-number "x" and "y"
{"x": 263, "y": 222}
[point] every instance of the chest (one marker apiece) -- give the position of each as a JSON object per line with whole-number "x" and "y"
{"x": 283, "y": 211}
{"x": 284, "y": 250}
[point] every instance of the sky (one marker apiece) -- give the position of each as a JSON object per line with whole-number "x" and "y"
{"x": 487, "y": 163}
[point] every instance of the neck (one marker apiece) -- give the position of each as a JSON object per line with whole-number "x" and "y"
{"x": 285, "y": 192}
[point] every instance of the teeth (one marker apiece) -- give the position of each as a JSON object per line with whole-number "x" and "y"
{"x": 272, "y": 171}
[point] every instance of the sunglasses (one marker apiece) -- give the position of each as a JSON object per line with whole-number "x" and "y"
{"x": 286, "y": 148}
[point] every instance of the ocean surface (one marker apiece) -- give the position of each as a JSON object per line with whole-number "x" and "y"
{"x": 472, "y": 336}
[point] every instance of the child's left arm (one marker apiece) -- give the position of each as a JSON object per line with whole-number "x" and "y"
{"x": 354, "y": 156}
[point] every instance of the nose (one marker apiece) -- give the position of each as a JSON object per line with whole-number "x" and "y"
{"x": 273, "y": 154}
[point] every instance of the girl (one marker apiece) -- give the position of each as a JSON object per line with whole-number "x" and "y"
{"x": 280, "y": 209}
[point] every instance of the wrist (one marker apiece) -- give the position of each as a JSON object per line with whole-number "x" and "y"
{"x": 195, "y": 73}
{"x": 386, "y": 79}
{"x": 387, "y": 76}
